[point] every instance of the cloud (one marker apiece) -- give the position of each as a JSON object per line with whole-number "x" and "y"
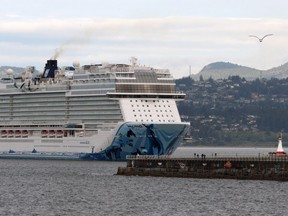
{"x": 171, "y": 42}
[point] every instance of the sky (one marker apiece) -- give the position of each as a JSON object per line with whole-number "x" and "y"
{"x": 180, "y": 35}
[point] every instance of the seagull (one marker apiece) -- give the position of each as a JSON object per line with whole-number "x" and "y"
{"x": 260, "y": 39}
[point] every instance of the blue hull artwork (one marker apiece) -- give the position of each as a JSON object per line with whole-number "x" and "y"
{"x": 142, "y": 139}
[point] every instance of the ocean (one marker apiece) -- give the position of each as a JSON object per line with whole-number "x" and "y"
{"x": 43, "y": 187}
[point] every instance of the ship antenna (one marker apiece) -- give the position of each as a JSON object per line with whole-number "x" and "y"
{"x": 133, "y": 61}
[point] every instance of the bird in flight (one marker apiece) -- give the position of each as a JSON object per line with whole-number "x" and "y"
{"x": 260, "y": 39}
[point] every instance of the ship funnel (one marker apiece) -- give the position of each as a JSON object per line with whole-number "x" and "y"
{"x": 50, "y": 67}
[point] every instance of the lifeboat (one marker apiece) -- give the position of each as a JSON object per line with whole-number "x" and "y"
{"x": 44, "y": 133}
{"x": 25, "y": 133}
{"x": 59, "y": 133}
{"x": 17, "y": 133}
{"x": 51, "y": 133}
{"x": 10, "y": 133}
{"x": 3, "y": 133}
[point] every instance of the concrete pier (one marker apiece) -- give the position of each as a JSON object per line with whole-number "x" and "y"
{"x": 253, "y": 168}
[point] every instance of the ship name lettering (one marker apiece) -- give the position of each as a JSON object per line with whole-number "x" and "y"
{"x": 134, "y": 126}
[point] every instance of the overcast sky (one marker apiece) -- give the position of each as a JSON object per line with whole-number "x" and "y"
{"x": 172, "y": 34}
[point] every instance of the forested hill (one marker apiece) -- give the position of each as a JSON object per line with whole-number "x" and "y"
{"x": 222, "y": 70}
{"x": 235, "y": 111}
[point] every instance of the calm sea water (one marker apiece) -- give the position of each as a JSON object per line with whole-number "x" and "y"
{"x": 33, "y": 187}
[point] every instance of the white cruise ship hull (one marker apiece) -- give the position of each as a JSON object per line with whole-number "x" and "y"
{"x": 128, "y": 139}
{"x": 98, "y": 112}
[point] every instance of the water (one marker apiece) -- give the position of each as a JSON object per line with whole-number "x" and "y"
{"x": 33, "y": 187}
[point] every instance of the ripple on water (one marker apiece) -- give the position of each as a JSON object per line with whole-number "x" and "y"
{"x": 31, "y": 187}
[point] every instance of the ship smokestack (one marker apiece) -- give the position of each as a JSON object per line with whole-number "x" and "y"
{"x": 50, "y": 67}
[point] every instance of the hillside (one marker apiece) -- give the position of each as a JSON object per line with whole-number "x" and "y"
{"x": 222, "y": 70}
{"x": 234, "y": 111}
{"x": 16, "y": 70}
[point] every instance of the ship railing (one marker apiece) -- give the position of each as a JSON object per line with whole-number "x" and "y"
{"x": 243, "y": 158}
{"x": 146, "y": 157}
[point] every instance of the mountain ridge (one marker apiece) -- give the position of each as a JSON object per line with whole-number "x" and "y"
{"x": 222, "y": 70}
{"x": 16, "y": 70}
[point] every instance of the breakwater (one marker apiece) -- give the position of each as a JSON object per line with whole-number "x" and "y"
{"x": 253, "y": 168}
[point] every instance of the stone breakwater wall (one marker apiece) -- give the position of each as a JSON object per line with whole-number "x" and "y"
{"x": 253, "y": 168}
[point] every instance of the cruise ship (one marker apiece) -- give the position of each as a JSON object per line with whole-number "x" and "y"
{"x": 94, "y": 112}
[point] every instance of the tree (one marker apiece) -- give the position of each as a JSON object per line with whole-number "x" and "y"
{"x": 201, "y": 78}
